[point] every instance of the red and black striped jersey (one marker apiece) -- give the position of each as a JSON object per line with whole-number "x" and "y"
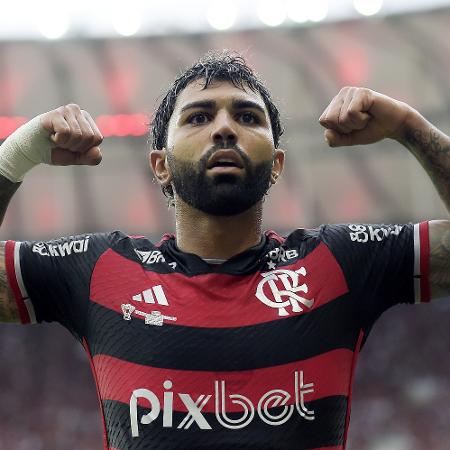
{"x": 257, "y": 352}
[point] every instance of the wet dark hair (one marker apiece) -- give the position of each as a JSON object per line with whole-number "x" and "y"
{"x": 214, "y": 66}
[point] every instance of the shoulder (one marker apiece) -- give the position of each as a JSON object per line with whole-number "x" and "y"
{"x": 74, "y": 246}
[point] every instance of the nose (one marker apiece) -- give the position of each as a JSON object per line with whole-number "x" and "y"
{"x": 223, "y": 132}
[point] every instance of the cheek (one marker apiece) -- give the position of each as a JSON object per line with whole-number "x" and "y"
{"x": 184, "y": 150}
{"x": 260, "y": 146}
{"x": 189, "y": 144}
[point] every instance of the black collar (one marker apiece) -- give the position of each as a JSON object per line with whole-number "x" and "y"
{"x": 249, "y": 261}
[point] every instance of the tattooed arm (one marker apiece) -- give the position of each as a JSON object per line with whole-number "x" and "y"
{"x": 362, "y": 116}
{"x": 431, "y": 147}
{"x": 8, "y": 308}
{"x": 64, "y": 136}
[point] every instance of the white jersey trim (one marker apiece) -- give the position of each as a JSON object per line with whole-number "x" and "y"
{"x": 417, "y": 274}
{"x": 23, "y": 291}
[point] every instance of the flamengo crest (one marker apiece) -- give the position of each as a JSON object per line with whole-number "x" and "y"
{"x": 278, "y": 289}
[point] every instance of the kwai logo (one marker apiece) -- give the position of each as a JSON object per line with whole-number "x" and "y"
{"x": 366, "y": 233}
{"x": 64, "y": 249}
{"x": 284, "y": 293}
{"x": 274, "y": 398}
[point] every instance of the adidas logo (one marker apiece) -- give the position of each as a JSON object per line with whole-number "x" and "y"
{"x": 154, "y": 295}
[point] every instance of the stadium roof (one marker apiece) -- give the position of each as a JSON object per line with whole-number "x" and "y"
{"x": 53, "y": 19}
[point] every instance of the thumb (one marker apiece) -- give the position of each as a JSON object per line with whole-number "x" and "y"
{"x": 64, "y": 157}
{"x": 336, "y": 139}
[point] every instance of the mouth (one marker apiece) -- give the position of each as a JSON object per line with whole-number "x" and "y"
{"x": 225, "y": 161}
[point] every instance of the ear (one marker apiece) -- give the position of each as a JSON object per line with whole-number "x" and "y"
{"x": 160, "y": 167}
{"x": 278, "y": 165}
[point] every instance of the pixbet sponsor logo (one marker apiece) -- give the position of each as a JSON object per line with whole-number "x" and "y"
{"x": 64, "y": 249}
{"x": 279, "y": 289}
{"x": 263, "y": 409}
{"x": 366, "y": 233}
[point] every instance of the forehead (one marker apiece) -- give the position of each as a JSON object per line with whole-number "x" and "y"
{"x": 218, "y": 91}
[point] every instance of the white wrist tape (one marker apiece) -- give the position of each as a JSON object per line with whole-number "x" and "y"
{"x": 27, "y": 147}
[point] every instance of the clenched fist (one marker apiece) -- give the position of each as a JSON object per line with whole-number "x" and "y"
{"x": 75, "y": 135}
{"x": 362, "y": 116}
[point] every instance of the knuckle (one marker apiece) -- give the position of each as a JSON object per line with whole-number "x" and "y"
{"x": 76, "y": 133}
{"x": 97, "y": 140}
{"x": 85, "y": 113}
{"x": 89, "y": 138}
{"x": 343, "y": 117}
{"x": 73, "y": 107}
{"x": 64, "y": 132}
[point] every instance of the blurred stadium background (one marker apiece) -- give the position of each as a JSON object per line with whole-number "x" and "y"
{"x": 116, "y": 59}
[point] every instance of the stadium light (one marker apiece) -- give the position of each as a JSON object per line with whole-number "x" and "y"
{"x": 296, "y": 11}
{"x": 222, "y": 15}
{"x": 271, "y": 12}
{"x": 126, "y": 18}
{"x": 51, "y": 18}
{"x": 316, "y": 10}
{"x": 368, "y": 7}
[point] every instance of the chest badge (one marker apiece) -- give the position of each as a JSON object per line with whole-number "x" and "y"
{"x": 278, "y": 289}
{"x": 154, "y": 295}
{"x": 151, "y": 318}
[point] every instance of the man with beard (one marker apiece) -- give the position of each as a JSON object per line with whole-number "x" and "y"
{"x": 222, "y": 336}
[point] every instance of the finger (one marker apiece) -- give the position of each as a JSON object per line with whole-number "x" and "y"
{"x": 70, "y": 113}
{"x": 344, "y": 120}
{"x": 323, "y": 118}
{"x": 55, "y": 123}
{"x": 65, "y": 157}
{"x": 87, "y": 134}
{"x": 98, "y": 137}
{"x": 336, "y": 139}
{"x": 355, "y": 114}
{"x": 330, "y": 119}
{"x": 368, "y": 135}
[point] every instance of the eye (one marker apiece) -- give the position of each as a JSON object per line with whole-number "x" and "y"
{"x": 198, "y": 118}
{"x": 249, "y": 118}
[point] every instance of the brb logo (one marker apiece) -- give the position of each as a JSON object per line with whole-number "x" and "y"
{"x": 274, "y": 398}
{"x": 278, "y": 289}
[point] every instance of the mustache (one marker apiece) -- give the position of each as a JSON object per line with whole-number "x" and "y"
{"x": 221, "y": 146}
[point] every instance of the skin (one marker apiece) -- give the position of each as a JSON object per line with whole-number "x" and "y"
{"x": 76, "y": 140}
{"x": 358, "y": 116}
{"x": 355, "y": 116}
{"x": 192, "y": 131}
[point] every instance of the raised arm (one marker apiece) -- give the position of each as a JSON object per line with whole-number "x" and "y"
{"x": 64, "y": 136}
{"x": 361, "y": 116}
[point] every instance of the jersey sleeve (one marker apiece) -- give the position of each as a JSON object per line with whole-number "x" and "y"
{"x": 50, "y": 280}
{"x": 383, "y": 264}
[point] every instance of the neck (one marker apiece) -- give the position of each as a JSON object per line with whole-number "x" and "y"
{"x": 218, "y": 237}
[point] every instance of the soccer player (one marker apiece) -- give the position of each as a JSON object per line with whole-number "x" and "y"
{"x": 223, "y": 336}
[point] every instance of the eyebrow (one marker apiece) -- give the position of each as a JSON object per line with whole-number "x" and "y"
{"x": 211, "y": 104}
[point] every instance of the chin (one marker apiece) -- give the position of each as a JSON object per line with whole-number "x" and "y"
{"x": 230, "y": 205}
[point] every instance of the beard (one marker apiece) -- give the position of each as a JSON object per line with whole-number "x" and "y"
{"x": 220, "y": 194}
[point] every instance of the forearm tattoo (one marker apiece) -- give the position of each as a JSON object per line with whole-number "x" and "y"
{"x": 432, "y": 149}
{"x": 8, "y": 308}
{"x": 7, "y": 190}
{"x": 432, "y": 142}
{"x": 440, "y": 258}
